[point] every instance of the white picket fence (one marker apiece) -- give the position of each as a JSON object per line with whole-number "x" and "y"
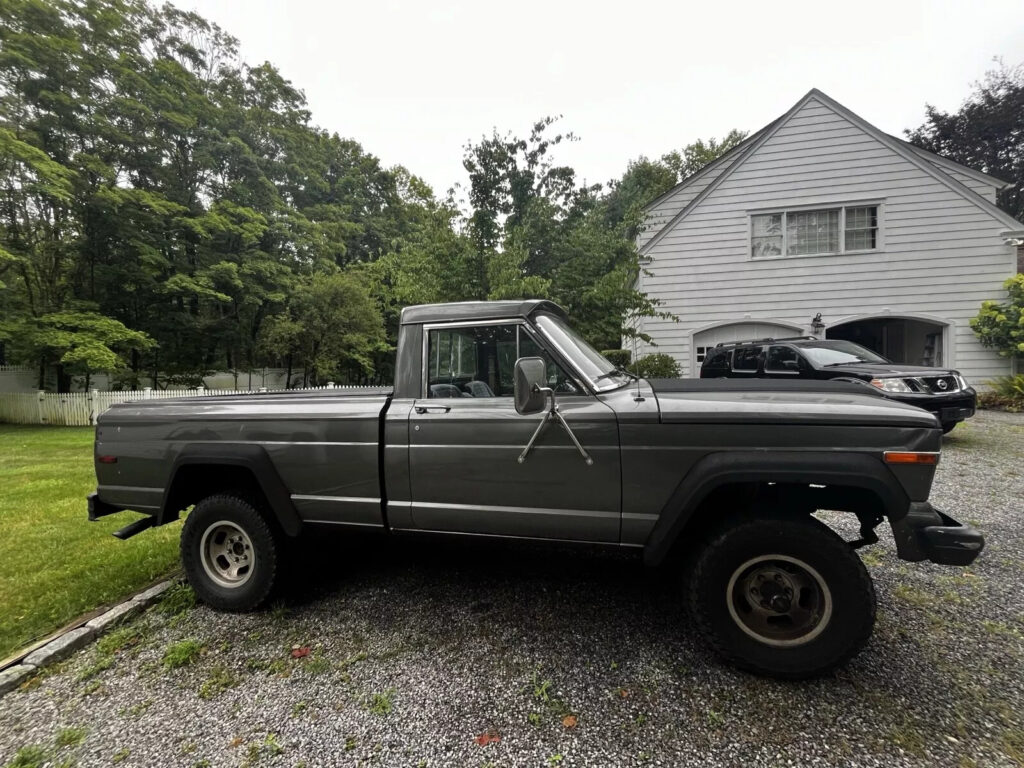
{"x": 80, "y": 409}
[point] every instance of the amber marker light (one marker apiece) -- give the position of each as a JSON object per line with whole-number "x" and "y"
{"x": 898, "y": 457}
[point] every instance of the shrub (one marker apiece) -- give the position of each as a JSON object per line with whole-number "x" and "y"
{"x": 1007, "y": 393}
{"x": 657, "y": 366}
{"x": 620, "y": 358}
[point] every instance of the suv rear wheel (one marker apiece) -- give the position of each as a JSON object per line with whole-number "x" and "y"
{"x": 230, "y": 553}
{"x": 782, "y": 597}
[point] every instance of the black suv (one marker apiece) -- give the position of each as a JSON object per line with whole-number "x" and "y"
{"x": 943, "y": 392}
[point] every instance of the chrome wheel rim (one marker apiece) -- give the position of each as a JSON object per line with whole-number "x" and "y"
{"x": 227, "y": 554}
{"x": 779, "y": 600}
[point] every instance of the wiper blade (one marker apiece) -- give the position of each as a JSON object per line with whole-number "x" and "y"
{"x": 616, "y": 372}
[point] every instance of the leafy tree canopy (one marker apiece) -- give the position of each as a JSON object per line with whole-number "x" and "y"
{"x": 167, "y": 209}
{"x": 986, "y": 133}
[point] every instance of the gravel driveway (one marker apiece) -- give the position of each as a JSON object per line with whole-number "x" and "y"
{"x": 432, "y": 654}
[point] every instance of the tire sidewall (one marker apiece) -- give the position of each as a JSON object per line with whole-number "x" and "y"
{"x": 852, "y": 593}
{"x": 209, "y": 512}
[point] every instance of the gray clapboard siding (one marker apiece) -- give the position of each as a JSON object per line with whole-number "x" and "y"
{"x": 675, "y": 202}
{"x": 941, "y": 253}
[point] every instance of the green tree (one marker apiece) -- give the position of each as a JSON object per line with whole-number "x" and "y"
{"x": 332, "y": 326}
{"x": 986, "y": 133}
{"x": 539, "y": 232}
{"x": 76, "y": 342}
{"x": 645, "y": 179}
{"x": 693, "y": 157}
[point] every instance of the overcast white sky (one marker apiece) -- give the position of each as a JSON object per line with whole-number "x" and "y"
{"x": 413, "y": 81}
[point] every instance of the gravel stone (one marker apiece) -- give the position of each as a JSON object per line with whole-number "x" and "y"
{"x": 107, "y": 621}
{"x": 61, "y": 647}
{"x": 434, "y": 653}
{"x": 12, "y": 677}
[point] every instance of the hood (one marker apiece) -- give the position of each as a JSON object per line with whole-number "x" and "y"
{"x": 874, "y": 370}
{"x": 767, "y": 401}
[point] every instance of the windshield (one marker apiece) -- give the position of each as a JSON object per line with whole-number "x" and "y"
{"x": 587, "y": 360}
{"x": 839, "y": 353}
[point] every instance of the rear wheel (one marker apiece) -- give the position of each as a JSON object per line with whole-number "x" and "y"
{"x": 230, "y": 553}
{"x": 782, "y": 597}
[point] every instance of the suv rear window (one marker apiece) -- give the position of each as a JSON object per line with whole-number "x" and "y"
{"x": 718, "y": 359}
{"x": 745, "y": 359}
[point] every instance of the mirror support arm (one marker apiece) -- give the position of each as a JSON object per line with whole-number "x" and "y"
{"x": 553, "y": 414}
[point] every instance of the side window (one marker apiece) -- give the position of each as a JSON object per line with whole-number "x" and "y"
{"x": 716, "y": 358}
{"x": 479, "y": 361}
{"x": 745, "y": 359}
{"x": 466, "y": 362}
{"x": 782, "y": 359}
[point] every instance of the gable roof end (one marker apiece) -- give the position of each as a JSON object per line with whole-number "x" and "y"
{"x": 718, "y": 161}
{"x": 925, "y": 161}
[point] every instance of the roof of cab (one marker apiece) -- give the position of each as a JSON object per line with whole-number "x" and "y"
{"x": 478, "y": 310}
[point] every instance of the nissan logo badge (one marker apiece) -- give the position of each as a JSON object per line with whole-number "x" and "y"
{"x": 943, "y": 384}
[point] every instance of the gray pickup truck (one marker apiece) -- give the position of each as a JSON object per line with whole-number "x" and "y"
{"x": 504, "y": 422}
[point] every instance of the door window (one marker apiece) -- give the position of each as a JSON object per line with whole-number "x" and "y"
{"x": 479, "y": 361}
{"x": 745, "y": 359}
{"x": 782, "y": 360}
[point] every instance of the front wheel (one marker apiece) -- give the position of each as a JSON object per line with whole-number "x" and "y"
{"x": 786, "y": 598}
{"x": 230, "y": 553}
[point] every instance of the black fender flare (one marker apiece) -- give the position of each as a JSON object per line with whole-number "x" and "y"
{"x": 859, "y": 470}
{"x": 252, "y": 457}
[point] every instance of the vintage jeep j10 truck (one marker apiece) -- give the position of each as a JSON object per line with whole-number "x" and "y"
{"x": 504, "y": 422}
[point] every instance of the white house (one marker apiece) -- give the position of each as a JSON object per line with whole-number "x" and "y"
{"x": 821, "y": 214}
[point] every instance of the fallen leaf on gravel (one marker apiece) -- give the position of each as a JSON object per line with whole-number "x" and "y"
{"x": 237, "y": 741}
{"x": 623, "y": 693}
{"x": 298, "y": 653}
{"x": 488, "y": 737}
{"x": 569, "y": 721}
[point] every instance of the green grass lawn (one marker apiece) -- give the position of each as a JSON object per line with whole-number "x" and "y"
{"x": 54, "y": 563}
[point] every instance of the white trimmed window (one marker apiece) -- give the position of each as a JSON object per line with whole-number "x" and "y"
{"x": 811, "y": 232}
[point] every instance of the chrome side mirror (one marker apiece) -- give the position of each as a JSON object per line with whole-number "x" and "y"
{"x": 529, "y": 379}
{"x": 530, "y": 391}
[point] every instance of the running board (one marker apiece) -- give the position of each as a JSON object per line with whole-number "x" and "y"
{"x": 137, "y": 527}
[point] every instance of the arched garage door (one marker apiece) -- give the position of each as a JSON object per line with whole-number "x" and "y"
{"x": 911, "y": 340}
{"x": 747, "y": 329}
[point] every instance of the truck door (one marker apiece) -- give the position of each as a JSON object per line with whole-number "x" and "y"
{"x": 465, "y": 439}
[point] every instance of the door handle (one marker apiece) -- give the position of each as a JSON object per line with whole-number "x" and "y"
{"x": 421, "y": 409}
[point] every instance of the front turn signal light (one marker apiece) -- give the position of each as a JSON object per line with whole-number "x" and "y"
{"x": 917, "y": 457}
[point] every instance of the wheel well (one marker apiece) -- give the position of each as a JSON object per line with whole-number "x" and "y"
{"x": 194, "y": 482}
{"x": 754, "y": 499}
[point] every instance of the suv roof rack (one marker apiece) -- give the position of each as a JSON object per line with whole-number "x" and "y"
{"x": 765, "y": 341}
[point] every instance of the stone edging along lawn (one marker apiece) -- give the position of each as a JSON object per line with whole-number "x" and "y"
{"x": 74, "y": 638}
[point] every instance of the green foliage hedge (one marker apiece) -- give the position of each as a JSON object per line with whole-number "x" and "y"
{"x": 657, "y": 366}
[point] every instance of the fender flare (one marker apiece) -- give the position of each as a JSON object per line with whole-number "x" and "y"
{"x": 252, "y": 457}
{"x": 860, "y": 470}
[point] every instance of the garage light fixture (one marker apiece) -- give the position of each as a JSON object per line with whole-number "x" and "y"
{"x": 817, "y": 326}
